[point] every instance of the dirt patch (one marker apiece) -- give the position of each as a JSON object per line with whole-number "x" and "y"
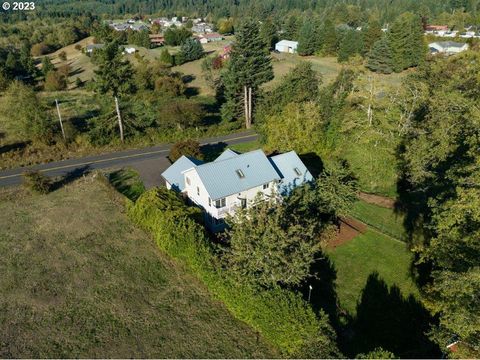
{"x": 349, "y": 229}
{"x": 377, "y": 200}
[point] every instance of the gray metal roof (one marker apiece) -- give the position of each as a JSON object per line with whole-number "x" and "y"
{"x": 287, "y": 166}
{"x": 446, "y": 44}
{"x": 174, "y": 174}
{"x": 221, "y": 179}
{"x": 227, "y": 154}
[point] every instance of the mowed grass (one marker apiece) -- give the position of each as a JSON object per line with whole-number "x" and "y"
{"x": 383, "y": 219}
{"x": 79, "y": 280}
{"x": 368, "y": 253}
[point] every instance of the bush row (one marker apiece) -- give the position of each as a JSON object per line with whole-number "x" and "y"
{"x": 281, "y": 316}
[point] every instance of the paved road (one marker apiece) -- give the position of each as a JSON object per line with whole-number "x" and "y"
{"x": 141, "y": 159}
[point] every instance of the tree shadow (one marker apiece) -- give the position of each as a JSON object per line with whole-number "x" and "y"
{"x": 14, "y": 147}
{"x": 191, "y": 91}
{"x": 70, "y": 177}
{"x": 212, "y": 151}
{"x": 313, "y": 162}
{"x": 77, "y": 71}
{"x": 323, "y": 295}
{"x": 80, "y": 123}
{"x": 387, "y": 319}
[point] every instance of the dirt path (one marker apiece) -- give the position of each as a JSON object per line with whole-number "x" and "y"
{"x": 377, "y": 200}
{"x": 349, "y": 229}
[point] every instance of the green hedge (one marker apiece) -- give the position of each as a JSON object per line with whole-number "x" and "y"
{"x": 281, "y": 316}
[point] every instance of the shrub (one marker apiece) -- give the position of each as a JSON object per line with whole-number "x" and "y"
{"x": 36, "y": 182}
{"x": 190, "y": 148}
{"x": 78, "y": 47}
{"x": 40, "y": 49}
{"x": 54, "y": 81}
{"x": 281, "y": 316}
{"x": 62, "y": 56}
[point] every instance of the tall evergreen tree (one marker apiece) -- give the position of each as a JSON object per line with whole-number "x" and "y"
{"x": 268, "y": 32}
{"x": 371, "y": 35}
{"x": 249, "y": 67}
{"x": 47, "y": 65}
{"x": 329, "y": 38}
{"x": 379, "y": 59}
{"x": 292, "y": 27}
{"x": 307, "y": 41}
{"x": 190, "y": 50}
{"x": 350, "y": 45}
{"x": 406, "y": 42}
{"x": 114, "y": 76}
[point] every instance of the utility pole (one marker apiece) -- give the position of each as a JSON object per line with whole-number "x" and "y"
{"x": 247, "y": 97}
{"x": 120, "y": 123}
{"x": 60, "y": 120}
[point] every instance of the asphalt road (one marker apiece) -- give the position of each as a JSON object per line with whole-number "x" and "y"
{"x": 134, "y": 158}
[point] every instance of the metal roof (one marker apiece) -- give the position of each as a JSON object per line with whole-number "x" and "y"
{"x": 227, "y": 154}
{"x": 236, "y": 174}
{"x": 292, "y": 171}
{"x": 174, "y": 174}
{"x": 446, "y": 44}
{"x": 287, "y": 43}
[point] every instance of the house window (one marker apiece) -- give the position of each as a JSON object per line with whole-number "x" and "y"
{"x": 220, "y": 203}
{"x": 198, "y": 191}
{"x": 265, "y": 186}
{"x": 240, "y": 173}
{"x": 243, "y": 203}
{"x": 188, "y": 180}
{"x": 297, "y": 171}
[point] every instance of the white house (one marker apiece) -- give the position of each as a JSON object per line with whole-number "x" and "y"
{"x": 234, "y": 180}
{"x": 129, "y": 50}
{"x": 286, "y": 46}
{"x": 447, "y": 47}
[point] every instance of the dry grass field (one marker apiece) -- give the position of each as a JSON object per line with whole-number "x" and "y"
{"x": 79, "y": 280}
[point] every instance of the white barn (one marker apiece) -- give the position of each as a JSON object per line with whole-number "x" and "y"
{"x": 286, "y": 46}
{"x": 234, "y": 180}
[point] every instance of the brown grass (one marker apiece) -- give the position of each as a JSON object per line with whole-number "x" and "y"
{"x": 79, "y": 280}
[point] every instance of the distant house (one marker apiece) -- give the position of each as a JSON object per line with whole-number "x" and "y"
{"x": 233, "y": 181}
{"x": 89, "y": 49}
{"x": 447, "y": 47}
{"x": 286, "y": 46}
{"x": 139, "y": 27}
{"x": 206, "y": 38}
{"x": 129, "y": 50}
{"x": 157, "y": 40}
{"x": 120, "y": 27}
{"x": 432, "y": 28}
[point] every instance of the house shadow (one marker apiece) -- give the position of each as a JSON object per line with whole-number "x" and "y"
{"x": 212, "y": 151}
{"x": 70, "y": 177}
{"x": 385, "y": 318}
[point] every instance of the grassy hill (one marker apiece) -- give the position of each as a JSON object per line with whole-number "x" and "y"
{"x": 78, "y": 280}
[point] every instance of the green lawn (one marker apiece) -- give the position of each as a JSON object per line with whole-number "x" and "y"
{"x": 383, "y": 219}
{"x": 247, "y": 146}
{"x": 79, "y": 280}
{"x": 368, "y": 253}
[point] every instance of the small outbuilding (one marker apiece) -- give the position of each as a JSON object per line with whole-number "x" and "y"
{"x": 287, "y": 46}
{"x": 447, "y": 47}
